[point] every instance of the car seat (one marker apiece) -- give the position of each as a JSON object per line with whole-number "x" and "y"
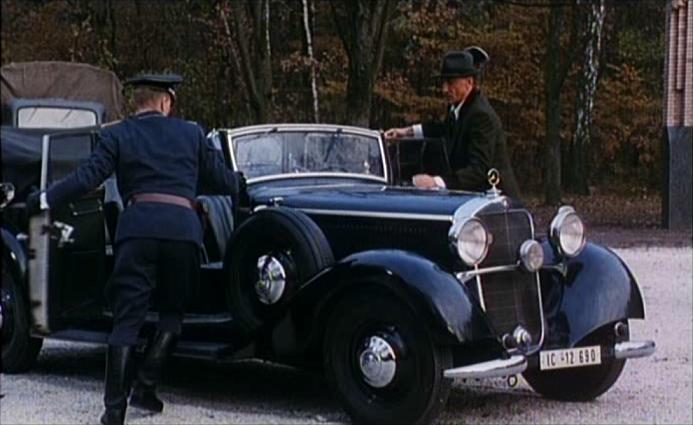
{"x": 218, "y": 223}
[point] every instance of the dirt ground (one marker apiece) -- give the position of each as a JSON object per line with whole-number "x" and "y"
{"x": 619, "y": 221}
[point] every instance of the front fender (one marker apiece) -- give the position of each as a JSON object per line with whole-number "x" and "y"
{"x": 15, "y": 255}
{"x": 452, "y": 314}
{"x": 584, "y": 293}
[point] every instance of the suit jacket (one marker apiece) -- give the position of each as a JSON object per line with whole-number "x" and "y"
{"x": 475, "y": 143}
{"x": 152, "y": 153}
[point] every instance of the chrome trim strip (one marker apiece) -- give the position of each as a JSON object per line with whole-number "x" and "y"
{"x": 45, "y": 146}
{"x": 541, "y": 301}
{"x": 38, "y": 267}
{"x": 490, "y": 369}
{"x": 634, "y": 349}
{"x": 188, "y": 318}
{"x": 317, "y": 174}
{"x": 378, "y": 214}
{"x": 482, "y": 302}
{"x": 241, "y": 131}
{"x": 466, "y": 275}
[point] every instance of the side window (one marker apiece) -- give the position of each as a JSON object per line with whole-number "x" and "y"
{"x": 53, "y": 117}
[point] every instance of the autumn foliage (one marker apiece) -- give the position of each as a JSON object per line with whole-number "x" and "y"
{"x": 189, "y": 37}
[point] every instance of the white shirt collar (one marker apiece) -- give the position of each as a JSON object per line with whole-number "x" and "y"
{"x": 456, "y": 109}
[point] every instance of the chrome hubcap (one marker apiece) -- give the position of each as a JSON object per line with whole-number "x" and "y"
{"x": 378, "y": 362}
{"x": 271, "y": 279}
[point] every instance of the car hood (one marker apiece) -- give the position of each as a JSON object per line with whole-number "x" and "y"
{"x": 375, "y": 198}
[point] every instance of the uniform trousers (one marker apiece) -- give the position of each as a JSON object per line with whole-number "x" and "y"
{"x": 150, "y": 269}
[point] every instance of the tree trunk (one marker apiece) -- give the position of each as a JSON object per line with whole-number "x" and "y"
{"x": 579, "y": 171}
{"x": 558, "y": 63}
{"x": 362, "y": 26}
{"x": 552, "y": 88}
{"x": 311, "y": 58}
{"x": 251, "y": 27}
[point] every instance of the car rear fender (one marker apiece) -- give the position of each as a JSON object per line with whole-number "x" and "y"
{"x": 442, "y": 302}
{"x": 584, "y": 293}
{"x": 15, "y": 255}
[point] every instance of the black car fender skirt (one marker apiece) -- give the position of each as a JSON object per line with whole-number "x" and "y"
{"x": 584, "y": 293}
{"x": 434, "y": 294}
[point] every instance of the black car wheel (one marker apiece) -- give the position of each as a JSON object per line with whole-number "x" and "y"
{"x": 581, "y": 383}
{"x": 382, "y": 362}
{"x": 271, "y": 255}
{"x": 19, "y": 350}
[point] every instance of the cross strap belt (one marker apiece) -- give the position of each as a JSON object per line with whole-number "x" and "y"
{"x": 162, "y": 198}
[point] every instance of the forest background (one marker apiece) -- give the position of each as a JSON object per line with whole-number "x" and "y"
{"x": 578, "y": 84}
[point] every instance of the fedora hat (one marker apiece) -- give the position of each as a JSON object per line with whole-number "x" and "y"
{"x": 458, "y": 64}
{"x": 479, "y": 55}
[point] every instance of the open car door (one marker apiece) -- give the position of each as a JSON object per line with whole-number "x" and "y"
{"x": 67, "y": 245}
{"x": 410, "y": 156}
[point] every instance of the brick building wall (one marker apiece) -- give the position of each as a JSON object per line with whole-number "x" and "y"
{"x": 677, "y": 207}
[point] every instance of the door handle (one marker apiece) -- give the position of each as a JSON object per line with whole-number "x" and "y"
{"x": 60, "y": 231}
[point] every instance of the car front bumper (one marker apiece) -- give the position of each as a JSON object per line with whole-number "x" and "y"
{"x": 517, "y": 363}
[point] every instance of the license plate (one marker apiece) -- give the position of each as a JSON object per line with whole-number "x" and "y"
{"x": 573, "y": 357}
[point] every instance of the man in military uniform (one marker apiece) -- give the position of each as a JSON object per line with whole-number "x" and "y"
{"x": 160, "y": 162}
{"x": 473, "y": 134}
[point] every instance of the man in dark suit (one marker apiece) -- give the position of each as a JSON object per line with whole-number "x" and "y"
{"x": 160, "y": 162}
{"x": 473, "y": 134}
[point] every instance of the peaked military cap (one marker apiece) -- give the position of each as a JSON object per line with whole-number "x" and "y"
{"x": 164, "y": 82}
{"x": 458, "y": 64}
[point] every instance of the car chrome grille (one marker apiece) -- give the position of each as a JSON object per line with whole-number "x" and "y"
{"x": 510, "y": 298}
{"x": 509, "y": 230}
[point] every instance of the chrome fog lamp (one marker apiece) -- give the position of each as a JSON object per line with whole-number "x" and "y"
{"x": 472, "y": 242}
{"x": 567, "y": 232}
{"x": 531, "y": 255}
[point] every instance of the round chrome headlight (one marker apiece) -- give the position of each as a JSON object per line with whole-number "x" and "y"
{"x": 567, "y": 232}
{"x": 472, "y": 242}
{"x": 531, "y": 255}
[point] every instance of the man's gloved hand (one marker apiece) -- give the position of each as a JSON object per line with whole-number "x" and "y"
{"x": 33, "y": 203}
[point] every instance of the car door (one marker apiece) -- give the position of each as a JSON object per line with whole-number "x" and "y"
{"x": 67, "y": 244}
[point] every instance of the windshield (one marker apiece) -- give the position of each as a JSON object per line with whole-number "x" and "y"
{"x": 275, "y": 153}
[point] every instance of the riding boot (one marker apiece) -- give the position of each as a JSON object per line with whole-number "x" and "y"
{"x": 149, "y": 373}
{"x": 117, "y": 384}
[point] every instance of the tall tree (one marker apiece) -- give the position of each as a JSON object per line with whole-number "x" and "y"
{"x": 309, "y": 51}
{"x": 362, "y": 26}
{"x": 578, "y": 180}
{"x": 556, "y": 69}
{"x": 251, "y": 39}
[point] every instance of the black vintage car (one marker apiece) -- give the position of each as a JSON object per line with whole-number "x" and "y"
{"x": 326, "y": 263}
{"x": 392, "y": 290}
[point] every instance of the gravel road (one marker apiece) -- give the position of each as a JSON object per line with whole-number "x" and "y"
{"x": 66, "y": 385}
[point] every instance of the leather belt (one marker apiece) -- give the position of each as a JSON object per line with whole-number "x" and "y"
{"x": 162, "y": 198}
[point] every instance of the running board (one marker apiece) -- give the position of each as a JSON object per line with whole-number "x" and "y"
{"x": 191, "y": 349}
